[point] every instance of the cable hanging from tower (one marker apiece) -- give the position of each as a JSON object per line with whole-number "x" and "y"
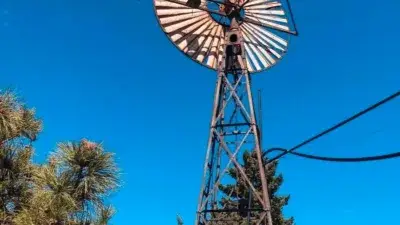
{"x": 329, "y": 130}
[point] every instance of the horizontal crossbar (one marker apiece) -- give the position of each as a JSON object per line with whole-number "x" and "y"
{"x": 234, "y": 210}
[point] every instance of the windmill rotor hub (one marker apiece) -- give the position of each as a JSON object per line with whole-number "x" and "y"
{"x": 231, "y": 9}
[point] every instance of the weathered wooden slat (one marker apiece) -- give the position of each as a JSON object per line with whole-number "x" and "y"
{"x": 256, "y": 2}
{"x": 172, "y": 12}
{"x": 265, "y": 12}
{"x": 214, "y": 48}
{"x": 195, "y": 47}
{"x": 255, "y": 49}
{"x": 174, "y": 27}
{"x": 192, "y": 40}
{"x": 177, "y": 18}
{"x": 270, "y": 18}
{"x": 268, "y": 34}
{"x": 269, "y": 23}
{"x": 207, "y": 45}
{"x": 262, "y": 5}
{"x": 188, "y": 31}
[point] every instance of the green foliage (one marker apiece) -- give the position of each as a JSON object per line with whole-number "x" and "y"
{"x": 179, "y": 220}
{"x": 69, "y": 189}
{"x": 18, "y": 128}
{"x": 239, "y": 189}
{"x": 16, "y": 121}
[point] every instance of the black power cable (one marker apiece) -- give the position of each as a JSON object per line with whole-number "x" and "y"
{"x": 342, "y": 123}
{"x": 335, "y": 159}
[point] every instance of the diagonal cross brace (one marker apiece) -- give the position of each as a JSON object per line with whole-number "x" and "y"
{"x": 239, "y": 167}
{"x": 233, "y": 90}
{"x": 226, "y": 168}
{"x": 238, "y": 101}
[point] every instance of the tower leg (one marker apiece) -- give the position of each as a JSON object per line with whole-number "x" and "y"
{"x": 259, "y": 154}
{"x": 210, "y": 152}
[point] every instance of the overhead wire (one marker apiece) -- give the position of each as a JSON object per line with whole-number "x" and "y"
{"x": 337, "y": 159}
{"x": 338, "y": 125}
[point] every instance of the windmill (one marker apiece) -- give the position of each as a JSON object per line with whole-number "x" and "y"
{"x": 235, "y": 38}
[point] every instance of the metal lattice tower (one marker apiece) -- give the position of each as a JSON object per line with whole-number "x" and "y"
{"x": 237, "y": 38}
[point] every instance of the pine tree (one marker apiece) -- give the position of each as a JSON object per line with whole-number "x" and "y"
{"x": 69, "y": 189}
{"x": 18, "y": 129}
{"x": 239, "y": 190}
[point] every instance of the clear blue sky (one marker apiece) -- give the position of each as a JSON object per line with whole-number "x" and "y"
{"x": 104, "y": 70}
